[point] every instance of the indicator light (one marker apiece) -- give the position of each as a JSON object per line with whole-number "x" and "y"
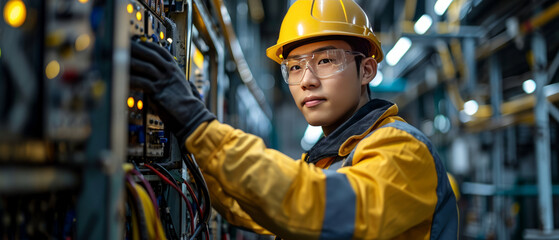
{"x": 140, "y": 104}
{"x": 82, "y": 42}
{"x": 139, "y": 16}
{"x": 15, "y": 13}
{"x": 83, "y": 1}
{"x": 161, "y": 35}
{"x": 130, "y": 102}
{"x": 130, "y": 8}
{"x": 53, "y": 69}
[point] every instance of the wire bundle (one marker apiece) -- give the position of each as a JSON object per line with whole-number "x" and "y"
{"x": 147, "y": 223}
{"x": 144, "y": 211}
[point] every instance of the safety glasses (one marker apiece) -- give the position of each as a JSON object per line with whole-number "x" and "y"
{"x": 322, "y": 64}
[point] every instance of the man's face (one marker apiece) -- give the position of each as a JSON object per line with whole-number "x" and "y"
{"x": 329, "y": 101}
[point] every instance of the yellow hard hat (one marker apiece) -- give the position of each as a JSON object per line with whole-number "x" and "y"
{"x": 308, "y": 19}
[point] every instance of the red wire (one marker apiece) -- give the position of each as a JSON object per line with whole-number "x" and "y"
{"x": 194, "y": 197}
{"x": 207, "y": 232}
{"x": 179, "y": 191}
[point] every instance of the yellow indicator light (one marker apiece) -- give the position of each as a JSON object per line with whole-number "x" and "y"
{"x": 130, "y": 102}
{"x": 53, "y": 69}
{"x": 15, "y": 13}
{"x": 161, "y": 35}
{"x": 130, "y": 8}
{"x": 83, "y": 1}
{"x": 140, "y": 104}
{"x": 55, "y": 38}
{"x": 98, "y": 89}
{"x": 82, "y": 42}
{"x": 139, "y": 16}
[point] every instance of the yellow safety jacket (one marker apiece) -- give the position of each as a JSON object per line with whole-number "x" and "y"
{"x": 394, "y": 185}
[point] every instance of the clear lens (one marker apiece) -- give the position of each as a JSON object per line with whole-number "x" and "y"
{"x": 322, "y": 64}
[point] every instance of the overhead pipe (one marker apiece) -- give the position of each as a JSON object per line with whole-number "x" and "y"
{"x": 541, "y": 19}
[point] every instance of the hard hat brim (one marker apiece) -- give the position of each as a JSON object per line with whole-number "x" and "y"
{"x": 275, "y": 52}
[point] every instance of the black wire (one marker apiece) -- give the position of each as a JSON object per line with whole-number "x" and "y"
{"x": 167, "y": 172}
{"x": 177, "y": 182}
{"x": 138, "y": 207}
{"x": 197, "y": 174}
{"x": 198, "y": 230}
{"x": 171, "y": 231}
{"x": 201, "y": 182}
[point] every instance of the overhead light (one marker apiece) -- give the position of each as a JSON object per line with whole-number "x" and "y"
{"x": 377, "y": 80}
{"x": 441, "y": 6}
{"x": 471, "y": 107}
{"x": 312, "y": 134}
{"x": 423, "y": 24}
{"x": 529, "y": 86}
{"x": 397, "y": 52}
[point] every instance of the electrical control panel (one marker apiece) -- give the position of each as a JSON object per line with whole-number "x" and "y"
{"x": 148, "y": 139}
{"x": 78, "y": 145}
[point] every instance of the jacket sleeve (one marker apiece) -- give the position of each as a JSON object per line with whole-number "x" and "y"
{"x": 390, "y": 188}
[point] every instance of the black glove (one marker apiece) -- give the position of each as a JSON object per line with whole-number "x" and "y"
{"x": 154, "y": 70}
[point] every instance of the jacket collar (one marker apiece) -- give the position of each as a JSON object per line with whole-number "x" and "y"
{"x": 361, "y": 122}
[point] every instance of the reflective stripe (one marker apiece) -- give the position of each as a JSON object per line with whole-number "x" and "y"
{"x": 445, "y": 218}
{"x": 339, "y": 215}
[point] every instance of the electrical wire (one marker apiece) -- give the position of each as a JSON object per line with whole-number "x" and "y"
{"x": 138, "y": 217}
{"x": 199, "y": 179}
{"x": 206, "y": 232}
{"x": 169, "y": 222}
{"x": 155, "y": 229}
{"x": 166, "y": 180}
{"x": 150, "y": 193}
{"x": 198, "y": 207}
{"x": 148, "y": 188}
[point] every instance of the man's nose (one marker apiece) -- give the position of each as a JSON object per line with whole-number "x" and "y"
{"x": 309, "y": 79}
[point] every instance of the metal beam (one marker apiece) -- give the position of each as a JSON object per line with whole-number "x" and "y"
{"x": 542, "y": 141}
{"x": 470, "y": 62}
{"x": 234, "y": 48}
{"x": 496, "y": 78}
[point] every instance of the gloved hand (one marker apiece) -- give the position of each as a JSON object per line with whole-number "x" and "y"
{"x": 154, "y": 70}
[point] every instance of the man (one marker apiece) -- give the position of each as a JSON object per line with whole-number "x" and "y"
{"x": 372, "y": 176}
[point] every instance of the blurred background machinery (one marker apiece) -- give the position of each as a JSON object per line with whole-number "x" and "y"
{"x": 82, "y": 155}
{"x": 479, "y": 77}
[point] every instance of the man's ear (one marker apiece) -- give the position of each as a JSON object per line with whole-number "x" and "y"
{"x": 369, "y": 70}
